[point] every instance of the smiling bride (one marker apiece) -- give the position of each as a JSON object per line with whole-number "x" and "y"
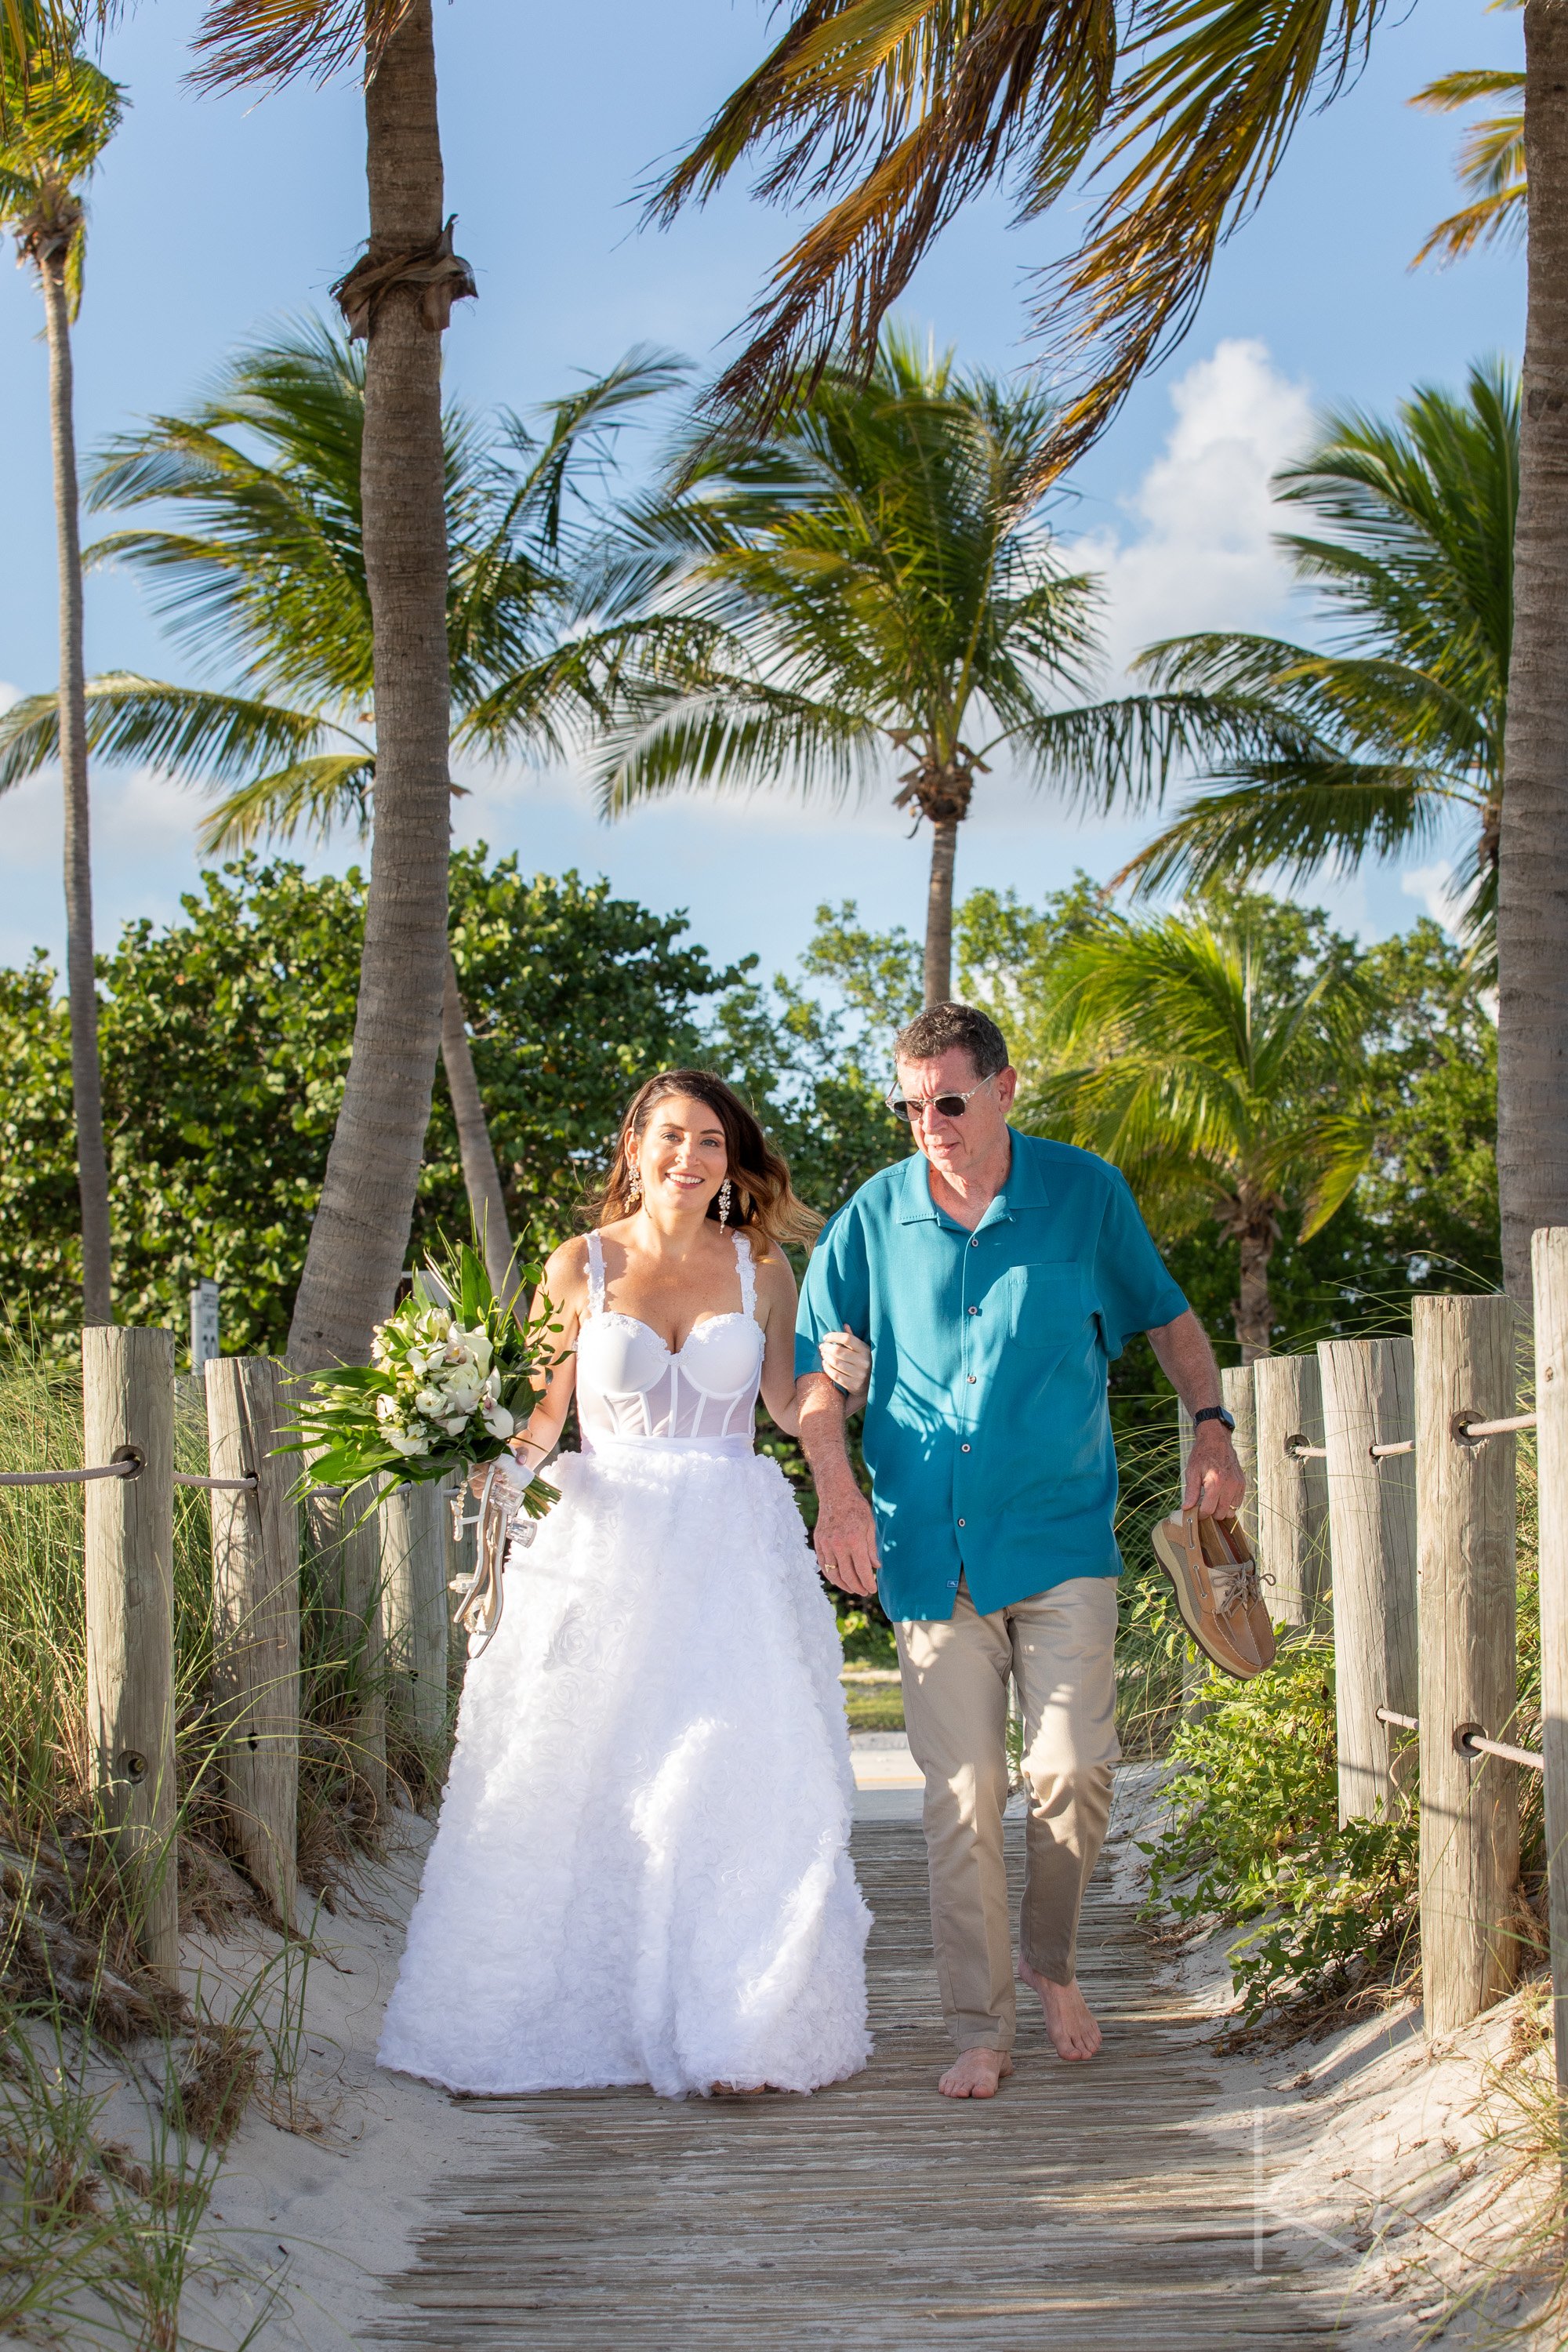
{"x": 641, "y": 1872}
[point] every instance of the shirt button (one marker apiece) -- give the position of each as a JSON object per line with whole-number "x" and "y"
{"x": 976, "y": 1242}
{"x": 965, "y": 1449}
{"x": 971, "y": 1379}
{"x": 961, "y": 1523}
{"x": 974, "y": 1310}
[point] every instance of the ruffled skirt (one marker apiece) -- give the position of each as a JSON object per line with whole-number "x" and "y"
{"x": 641, "y": 1871}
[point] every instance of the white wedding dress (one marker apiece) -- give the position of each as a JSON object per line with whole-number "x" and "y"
{"x": 641, "y": 1872}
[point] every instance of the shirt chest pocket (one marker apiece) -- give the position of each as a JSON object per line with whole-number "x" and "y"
{"x": 1045, "y": 1304}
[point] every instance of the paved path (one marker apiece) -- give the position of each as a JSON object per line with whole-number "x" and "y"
{"x": 1077, "y": 2212}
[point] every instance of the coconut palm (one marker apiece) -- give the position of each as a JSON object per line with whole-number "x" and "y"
{"x": 875, "y": 579}
{"x": 1184, "y": 109}
{"x": 1223, "y": 1083}
{"x": 267, "y": 580}
{"x": 1403, "y": 724}
{"x": 57, "y": 116}
{"x": 398, "y": 296}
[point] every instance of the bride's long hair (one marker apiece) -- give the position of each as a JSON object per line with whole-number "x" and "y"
{"x": 762, "y": 1194}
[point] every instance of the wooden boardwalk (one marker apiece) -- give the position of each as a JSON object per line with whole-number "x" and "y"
{"x": 1077, "y": 2211}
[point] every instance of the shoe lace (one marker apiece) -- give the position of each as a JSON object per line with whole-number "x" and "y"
{"x": 1235, "y": 1586}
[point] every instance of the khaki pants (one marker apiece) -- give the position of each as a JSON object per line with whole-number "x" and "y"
{"x": 1059, "y": 1647}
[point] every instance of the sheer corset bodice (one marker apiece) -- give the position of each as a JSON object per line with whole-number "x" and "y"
{"x": 630, "y": 1385}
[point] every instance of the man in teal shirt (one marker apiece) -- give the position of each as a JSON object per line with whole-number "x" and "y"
{"x": 996, "y": 1275}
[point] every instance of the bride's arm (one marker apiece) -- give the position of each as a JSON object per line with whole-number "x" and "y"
{"x": 776, "y": 1308}
{"x": 566, "y": 1284}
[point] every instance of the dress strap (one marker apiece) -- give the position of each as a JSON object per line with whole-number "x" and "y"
{"x": 596, "y": 1275}
{"x": 745, "y": 1266}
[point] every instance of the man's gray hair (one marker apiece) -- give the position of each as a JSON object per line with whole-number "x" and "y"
{"x": 941, "y": 1026}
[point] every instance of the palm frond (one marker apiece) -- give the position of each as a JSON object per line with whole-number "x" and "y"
{"x": 908, "y": 108}
{"x": 734, "y": 735}
{"x": 187, "y": 731}
{"x": 242, "y": 43}
{"x": 317, "y": 797}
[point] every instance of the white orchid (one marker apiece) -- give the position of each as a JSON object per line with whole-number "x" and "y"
{"x": 428, "y": 1401}
{"x": 499, "y": 1421}
{"x": 404, "y": 1441}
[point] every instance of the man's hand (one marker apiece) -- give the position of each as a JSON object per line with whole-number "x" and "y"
{"x": 846, "y": 1539}
{"x": 845, "y": 1535}
{"x": 1215, "y": 1480}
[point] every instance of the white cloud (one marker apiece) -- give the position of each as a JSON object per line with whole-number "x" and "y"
{"x": 1197, "y": 552}
{"x": 1434, "y": 887}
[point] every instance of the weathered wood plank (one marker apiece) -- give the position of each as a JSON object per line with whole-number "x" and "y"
{"x": 1292, "y": 1494}
{"x": 1080, "y": 2209}
{"x": 256, "y": 1619}
{"x": 128, "y": 1408}
{"x": 1369, "y": 1399}
{"x": 1550, "y": 1254}
{"x": 1465, "y": 1513}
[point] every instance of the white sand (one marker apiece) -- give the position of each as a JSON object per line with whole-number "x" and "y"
{"x": 303, "y": 2222}
{"x": 1399, "y": 2169}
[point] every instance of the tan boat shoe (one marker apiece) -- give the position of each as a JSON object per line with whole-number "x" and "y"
{"x": 1218, "y": 1593}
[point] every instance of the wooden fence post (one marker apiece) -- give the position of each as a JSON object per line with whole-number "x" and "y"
{"x": 1241, "y": 1403}
{"x": 1465, "y": 1553}
{"x": 1549, "y": 1252}
{"x": 1369, "y": 1399}
{"x": 414, "y": 1575}
{"x": 349, "y": 1558}
{"x": 127, "y": 1409}
{"x": 1292, "y": 1495}
{"x": 256, "y": 1620}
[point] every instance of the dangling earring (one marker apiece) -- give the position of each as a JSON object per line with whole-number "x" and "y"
{"x": 634, "y": 1185}
{"x": 726, "y": 1194}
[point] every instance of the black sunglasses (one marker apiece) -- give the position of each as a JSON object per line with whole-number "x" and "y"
{"x": 915, "y": 1107}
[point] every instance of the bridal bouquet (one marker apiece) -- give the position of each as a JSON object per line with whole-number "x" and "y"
{"x": 451, "y": 1378}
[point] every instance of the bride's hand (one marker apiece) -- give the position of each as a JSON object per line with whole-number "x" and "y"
{"x": 846, "y": 1360}
{"x": 510, "y": 1468}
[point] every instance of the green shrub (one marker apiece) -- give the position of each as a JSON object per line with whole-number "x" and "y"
{"x": 1255, "y": 1836}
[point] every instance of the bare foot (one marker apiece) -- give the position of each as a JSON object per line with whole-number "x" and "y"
{"x": 976, "y": 2075}
{"x": 1069, "y": 2021}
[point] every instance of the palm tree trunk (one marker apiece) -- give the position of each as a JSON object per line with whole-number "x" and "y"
{"x": 938, "y": 911}
{"x": 82, "y": 989}
{"x": 481, "y": 1177}
{"x": 361, "y": 1231}
{"x": 1254, "y": 1309}
{"x": 1533, "y": 870}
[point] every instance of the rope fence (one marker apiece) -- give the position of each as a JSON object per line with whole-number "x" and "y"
{"x": 1466, "y": 1431}
{"x": 133, "y": 1468}
{"x": 1414, "y": 1578}
{"x": 1469, "y": 1742}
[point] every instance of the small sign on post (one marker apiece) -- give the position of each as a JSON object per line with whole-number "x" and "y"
{"x": 203, "y": 1324}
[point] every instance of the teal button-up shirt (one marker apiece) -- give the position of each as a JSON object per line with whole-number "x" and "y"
{"x": 987, "y": 1429}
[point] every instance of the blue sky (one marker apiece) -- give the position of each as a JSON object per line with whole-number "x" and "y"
{"x": 212, "y": 218}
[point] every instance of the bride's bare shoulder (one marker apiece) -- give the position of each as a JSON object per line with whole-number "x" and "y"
{"x": 566, "y": 1270}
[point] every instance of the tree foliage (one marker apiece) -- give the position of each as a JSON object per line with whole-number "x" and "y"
{"x": 226, "y": 1040}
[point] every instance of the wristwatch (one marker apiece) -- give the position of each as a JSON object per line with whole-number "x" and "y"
{"x": 1215, "y": 1413}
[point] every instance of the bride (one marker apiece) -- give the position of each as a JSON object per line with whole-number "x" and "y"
{"x": 641, "y": 1871}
